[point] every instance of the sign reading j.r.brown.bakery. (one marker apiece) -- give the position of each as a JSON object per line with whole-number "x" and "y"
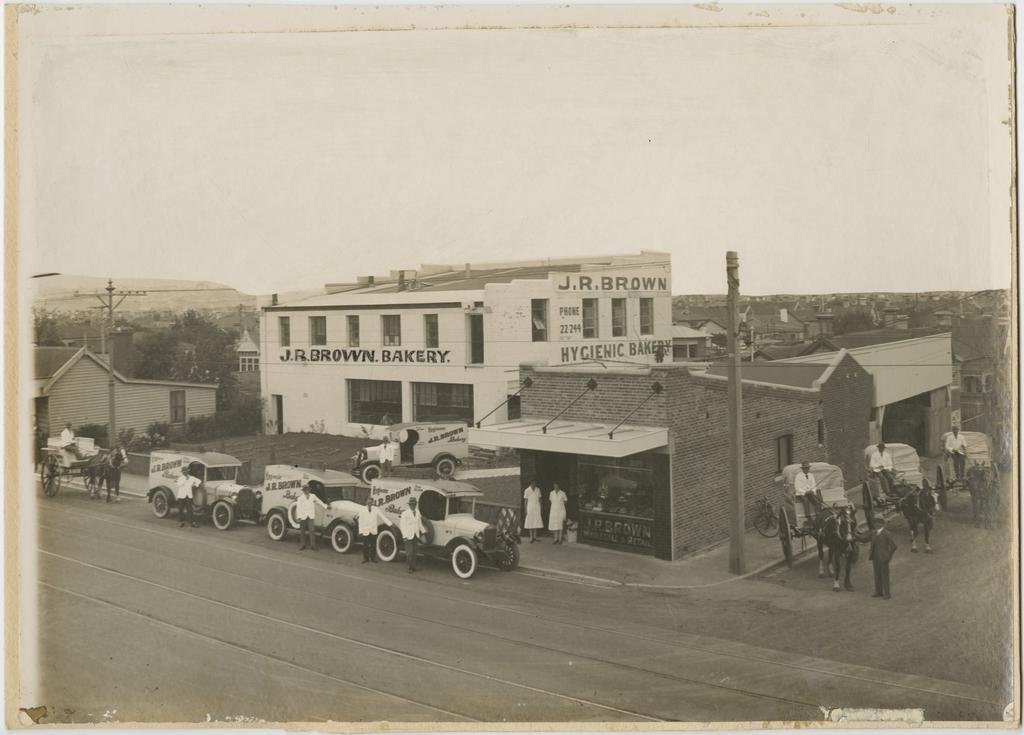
{"x": 401, "y": 357}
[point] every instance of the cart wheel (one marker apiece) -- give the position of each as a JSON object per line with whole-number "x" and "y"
{"x": 785, "y": 537}
{"x": 51, "y": 480}
{"x": 341, "y": 538}
{"x": 369, "y": 473}
{"x": 277, "y": 526}
{"x": 507, "y": 556}
{"x": 445, "y": 468}
{"x": 387, "y": 545}
{"x": 223, "y": 515}
{"x": 464, "y": 561}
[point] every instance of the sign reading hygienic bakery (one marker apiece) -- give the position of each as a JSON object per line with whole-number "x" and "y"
{"x": 378, "y": 357}
{"x": 615, "y": 350}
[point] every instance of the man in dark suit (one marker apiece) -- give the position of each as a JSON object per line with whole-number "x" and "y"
{"x": 882, "y": 549}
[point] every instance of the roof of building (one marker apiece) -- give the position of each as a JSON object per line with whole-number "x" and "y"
{"x": 246, "y": 343}
{"x": 474, "y": 277}
{"x": 682, "y": 331}
{"x": 717, "y": 314}
{"x": 965, "y": 352}
{"x": 48, "y": 360}
{"x": 793, "y": 375}
{"x": 84, "y": 353}
{"x": 870, "y": 337}
{"x": 781, "y": 351}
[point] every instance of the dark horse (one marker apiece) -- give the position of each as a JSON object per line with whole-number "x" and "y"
{"x": 835, "y": 529}
{"x": 918, "y": 507}
{"x": 982, "y": 485}
{"x": 94, "y": 474}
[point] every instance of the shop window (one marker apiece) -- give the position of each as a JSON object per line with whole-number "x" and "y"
{"x": 284, "y": 331}
{"x": 391, "y": 328}
{"x": 514, "y": 407}
{"x": 353, "y": 330}
{"x": 476, "y": 339}
{"x": 539, "y": 319}
{"x": 374, "y": 401}
{"x": 684, "y": 352}
{"x": 177, "y": 406}
{"x": 988, "y": 384}
{"x": 430, "y": 334}
{"x": 318, "y": 330}
{"x": 972, "y": 384}
{"x": 618, "y": 317}
{"x": 647, "y": 316}
{"x": 442, "y": 402}
{"x": 783, "y": 452}
{"x": 590, "y": 322}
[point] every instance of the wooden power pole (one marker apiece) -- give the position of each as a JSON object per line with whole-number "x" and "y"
{"x": 737, "y": 552}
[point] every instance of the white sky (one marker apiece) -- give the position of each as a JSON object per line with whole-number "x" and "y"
{"x": 836, "y": 151}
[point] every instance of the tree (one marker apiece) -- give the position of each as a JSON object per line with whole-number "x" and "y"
{"x": 46, "y": 332}
{"x": 155, "y": 354}
{"x": 854, "y": 320}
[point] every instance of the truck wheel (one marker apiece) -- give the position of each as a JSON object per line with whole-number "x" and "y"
{"x": 223, "y": 514}
{"x": 445, "y": 467}
{"x": 161, "y": 504}
{"x": 387, "y": 545}
{"x": 369, "y": 473}
{"x": 277, "y": 526}
{"x": 464, "y": 561}
{"x": 507, "y": 556}
{"x": 341, "y": 538}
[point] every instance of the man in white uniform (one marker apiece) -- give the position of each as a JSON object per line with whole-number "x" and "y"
{"x": 881, "y": 464}
{"x": 305, "y": 514}
{"x": 956, "y": 447}
{"x": 387, "y": 456}
{"x": 412, "y": 531}
{"x": 67, "y": 441}
{"x": 186, "y": 485}
{"x": 370, "y": 519}
{"x": 804, "y": 486}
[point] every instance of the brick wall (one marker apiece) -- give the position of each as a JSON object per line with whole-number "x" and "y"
{"x": 695, "y": 410}
{"x": 846, "y": 408}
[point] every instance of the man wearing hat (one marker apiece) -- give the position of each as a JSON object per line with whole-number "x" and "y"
{"x": 881, "y": 463}
{"x": 956, "y": 447}
{"x": 305, "y": 514}
{"x": 370, "y": 519}
{"x": 882, "y": 549}
{"x": 413, "y": 531}
{"x": 804, "y": 486}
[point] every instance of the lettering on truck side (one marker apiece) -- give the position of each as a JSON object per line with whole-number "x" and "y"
{"x": 448, "y": 435}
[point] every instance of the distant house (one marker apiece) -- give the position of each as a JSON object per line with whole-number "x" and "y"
{"x": 689, "y": 343}
{"x": 248, "y": 364}
{"x": 71, "y": 385}
{"x": 710, "y": 320}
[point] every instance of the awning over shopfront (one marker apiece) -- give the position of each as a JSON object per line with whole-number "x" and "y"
{"x": 572, "y": 437}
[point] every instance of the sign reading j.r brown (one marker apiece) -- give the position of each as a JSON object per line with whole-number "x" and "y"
{"x": 579, "y": 282}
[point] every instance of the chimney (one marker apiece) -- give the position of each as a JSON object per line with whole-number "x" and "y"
{"x": 123, "y": 357}
{"x": 469, "y": 269}
{"x": 824, "y": 323}
{"x": 889, "y": 316}
{"x": 401, "y": 280}
{"x": 273, "y": 299}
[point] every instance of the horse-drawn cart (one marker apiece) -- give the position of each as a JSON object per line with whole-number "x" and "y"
{"x": 62, "y": 462}
{"x": 800, "y": 515}
{"x": 981, "y": 475}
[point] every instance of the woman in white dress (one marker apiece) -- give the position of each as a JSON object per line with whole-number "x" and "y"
{"x": 556, "y": 514}
{"x": 533, "y": 516}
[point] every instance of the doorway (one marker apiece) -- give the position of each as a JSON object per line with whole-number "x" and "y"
{"x": 279, "y": 412}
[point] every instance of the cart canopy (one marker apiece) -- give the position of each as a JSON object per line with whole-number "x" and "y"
{"x": 830, "y": 485}
{"x": 979, "y": 446}
{"x": 904, "y": 461}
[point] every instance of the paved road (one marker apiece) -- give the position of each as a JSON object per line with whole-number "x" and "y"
{"x": 162, "y": 623}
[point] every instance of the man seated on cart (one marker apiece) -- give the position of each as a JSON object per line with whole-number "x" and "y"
{"x": 805, "y": 487}
{"x": 956, "y": 447}
{"x": 881, "y": 464}
{"x": 68, "y": 443}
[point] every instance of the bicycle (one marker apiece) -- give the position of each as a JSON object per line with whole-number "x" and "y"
{"x": 766, "y": 518}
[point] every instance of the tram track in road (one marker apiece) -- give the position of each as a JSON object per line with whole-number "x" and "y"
{"x": 811, "y": 707}
{"x": 405, "y": 656}
{"x": 746, "y": 654}
{"x": 92, "y": 599}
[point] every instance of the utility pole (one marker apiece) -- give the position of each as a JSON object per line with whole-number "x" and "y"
{"x": 737, "y": 553}
{"x": 109, "y": 304}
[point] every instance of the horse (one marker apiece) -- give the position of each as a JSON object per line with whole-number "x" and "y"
{"x": 982, "y": 487}
{"x": 839, "y": 534}
{"x": 94, "y": 474}
{"x": 918, "y": 507}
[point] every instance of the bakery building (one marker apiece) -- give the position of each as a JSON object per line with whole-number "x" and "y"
{"x": 444, "y": 343}
{"x": 642, "y": 449}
